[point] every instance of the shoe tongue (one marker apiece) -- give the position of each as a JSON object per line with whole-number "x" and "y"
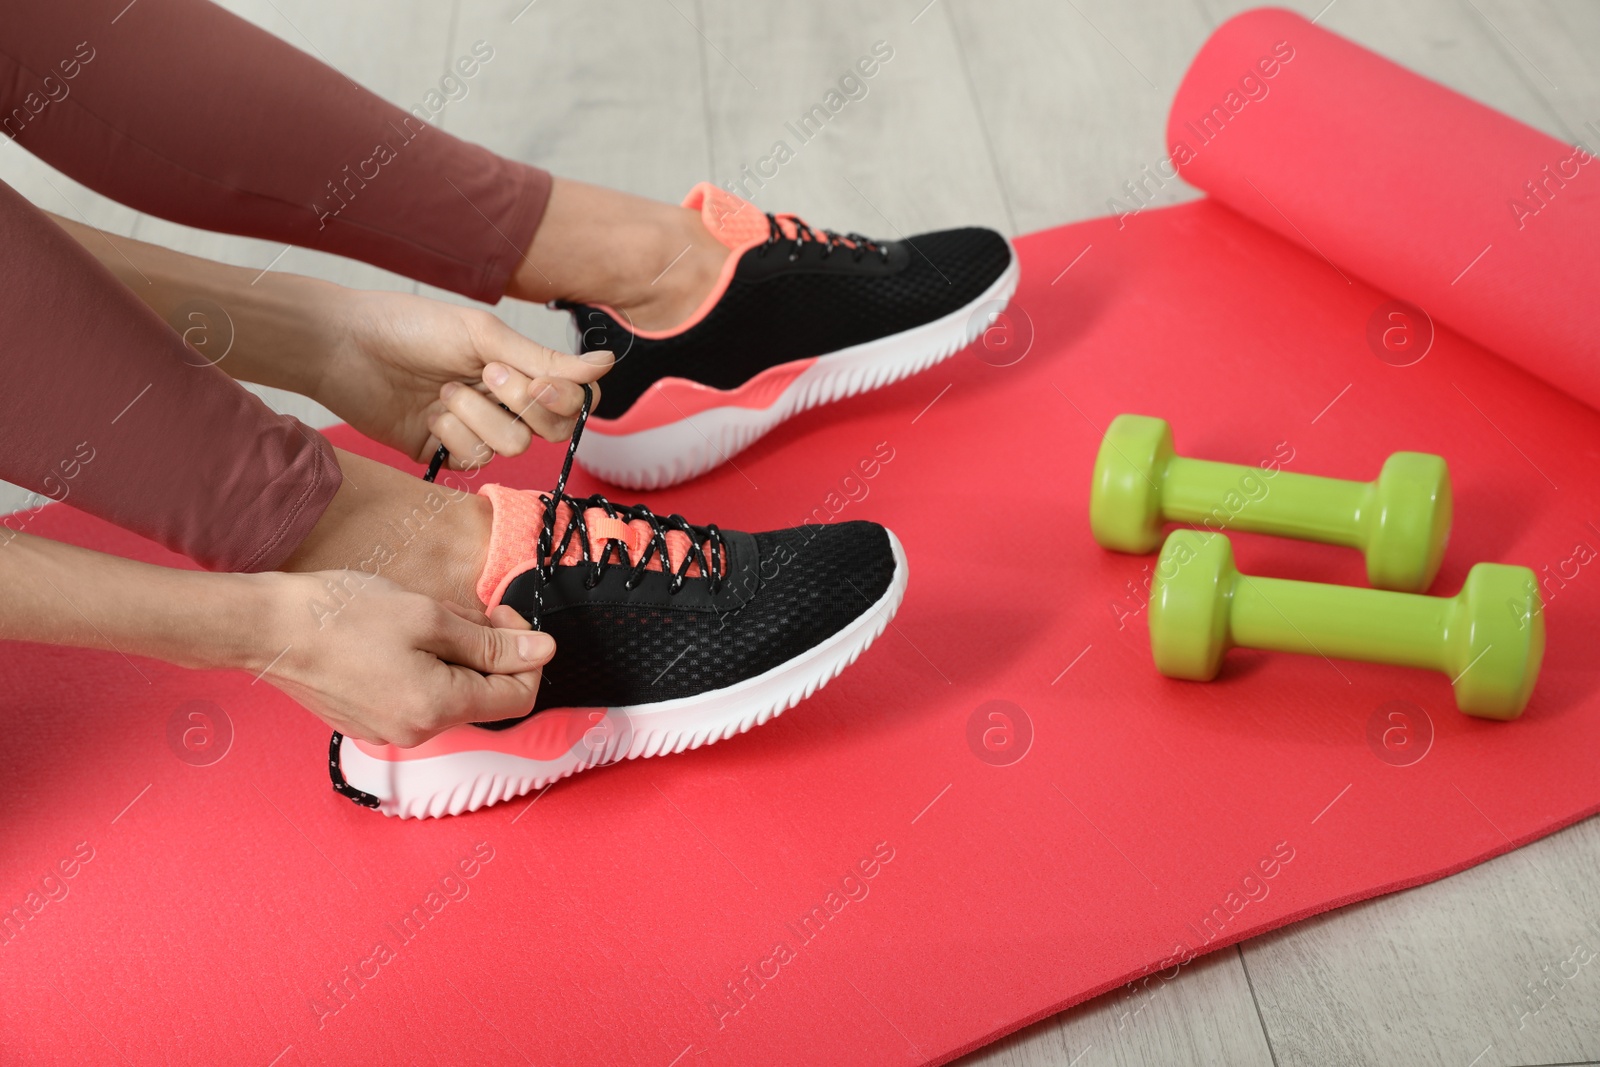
{"x": 737, "y": 222}
{"x": 734, "y": 221}
{"x": 519, "y": 518}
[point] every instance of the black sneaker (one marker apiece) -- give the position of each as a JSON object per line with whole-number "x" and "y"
{"x": 668, "y": 636}
{"x": 798, "y": 318}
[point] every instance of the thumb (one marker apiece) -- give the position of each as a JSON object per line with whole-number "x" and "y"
{"x": 536, "y": 361}
{"x": 491, "y": 649}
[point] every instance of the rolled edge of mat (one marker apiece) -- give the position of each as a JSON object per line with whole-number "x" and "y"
{"x": 1483, "y": 222}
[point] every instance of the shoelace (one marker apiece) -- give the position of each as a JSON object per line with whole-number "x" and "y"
{"x": 858, "y": 244}
{"x": 710, "y": 560}
{"x": 698, "y": 537}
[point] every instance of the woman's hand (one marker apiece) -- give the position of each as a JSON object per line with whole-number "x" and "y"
{"x": 413, "y": 373}
{"x": 369, "y": 658}
{"x": 405, "y": 370}
{"x": 384, "y": 665}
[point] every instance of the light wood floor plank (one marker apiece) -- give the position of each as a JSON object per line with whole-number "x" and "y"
{"x": 1203, "y": 1016}
{"x": 1553, "y": 42}
{"x": 897, "y": 153}
{"x": 1446, "y": 40}
{"x": 1075, "y": 97}
{"x": 1448, "y": 972}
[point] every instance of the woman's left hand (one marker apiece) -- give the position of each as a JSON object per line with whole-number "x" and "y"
{"x": 413, "y": 373}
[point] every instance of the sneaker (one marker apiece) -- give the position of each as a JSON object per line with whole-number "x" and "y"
{"x": 669, "y": 636}
{"x": 798, "y": 318}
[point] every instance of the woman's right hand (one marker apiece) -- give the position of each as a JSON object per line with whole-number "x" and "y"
{"x": 388, "y": 666}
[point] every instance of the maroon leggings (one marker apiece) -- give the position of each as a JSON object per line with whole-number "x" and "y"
{"x": 180, "y": 109}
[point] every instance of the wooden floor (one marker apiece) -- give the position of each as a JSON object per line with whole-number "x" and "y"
{"x": 1017, "y": 114}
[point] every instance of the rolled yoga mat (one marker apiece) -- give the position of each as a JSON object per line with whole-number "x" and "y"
{"x": 1001, "y": 809}
{"x": 1487, "y": 225}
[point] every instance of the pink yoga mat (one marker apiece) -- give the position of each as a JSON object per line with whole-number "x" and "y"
{"x": 1482, "y": 222}
{"x": 1002, "y": 809}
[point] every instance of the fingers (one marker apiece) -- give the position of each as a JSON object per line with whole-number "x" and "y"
{"x": 480, "y": 416}
{"x": 495, "y": 670}
{"x": 467, "y": 449}
{"x": 489, "y": 649}
{"x": 547, "y": 405}
{"x": 540, "y": 384}
{"x": 542, "y": 389}
{"x": 507, "y": 618}
{"x": 470, "y": 614}
{"x": 500, "y": 616}
{"x": 487, "y": 697}
{"x": 500, "y": 343}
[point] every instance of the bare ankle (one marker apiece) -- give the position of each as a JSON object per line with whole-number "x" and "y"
{"x": 690, "y": 260}
{"x": 654, "y": 262}
{"x": 430, "y": 539}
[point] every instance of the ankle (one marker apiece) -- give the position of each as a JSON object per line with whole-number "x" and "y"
{"x": 459, "y": 543}
{"x": 654, "y": 262}
{"x": 672, "y": 272}
{"x": 430, "y": 539}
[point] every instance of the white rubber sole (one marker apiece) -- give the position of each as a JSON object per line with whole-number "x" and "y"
{"x": 465, "y": 781}
{"x": 673, "y": 453}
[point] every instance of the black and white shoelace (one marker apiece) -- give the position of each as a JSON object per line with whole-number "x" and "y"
{"x": 858, "y": 244}
{"x": 706, "y": 549}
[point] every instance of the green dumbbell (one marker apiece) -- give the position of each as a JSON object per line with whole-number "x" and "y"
{"x": 1489, "y": 638}
{"x": 1401, "y": 521}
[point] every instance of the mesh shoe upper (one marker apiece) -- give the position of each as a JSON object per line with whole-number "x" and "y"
{"x": 783, "y": 593}
{"x": 777, "y": 309}
{"x": 647, "y": 609}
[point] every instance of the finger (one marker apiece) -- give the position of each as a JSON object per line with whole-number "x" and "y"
{"x": 467, "y": 449}
{"x": 498, "y": 429}
{"x": 488, "y": 649}
{"x": 488, "y": 697}
{"x": 503, "y": 344}
{"x": 431, "y": 445}
{"x": 470, "y": 614}
{"x": 507, "y": 618}
{"x": 517, "y": 391}
{"x": 549, "y": 406}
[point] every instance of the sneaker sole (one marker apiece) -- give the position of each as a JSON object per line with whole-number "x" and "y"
{"x": 450, "y": 784}
{"x": 690, "y": 446}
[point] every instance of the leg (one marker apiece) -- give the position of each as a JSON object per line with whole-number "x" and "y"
{"x": 324, "y": 164}
{"x": 430, "y": 539}
{"x": 215, "y": 123}
{"x": 115, "y": 415}
{"x": 111, "y": 412}
{"x": 656, "y": 262}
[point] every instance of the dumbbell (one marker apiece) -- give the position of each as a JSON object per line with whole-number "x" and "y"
{"x": 1401, "y": 521}
{"x": 1489, "y": 638}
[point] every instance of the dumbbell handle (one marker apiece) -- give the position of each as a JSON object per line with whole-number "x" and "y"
{"x": 1303, "y": 506}
{"x": 1342, "y": 622}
